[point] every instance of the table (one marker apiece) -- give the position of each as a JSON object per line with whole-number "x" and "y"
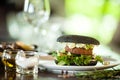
{"x": 52, "y": 75}
{"x": 47, "y": 75}
{"x": 42, "y": 75}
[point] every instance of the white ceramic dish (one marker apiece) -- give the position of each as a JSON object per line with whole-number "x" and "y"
{"x": 50, "y": 65}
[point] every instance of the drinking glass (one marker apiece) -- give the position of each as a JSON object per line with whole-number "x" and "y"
{"x": 27, "y": 62}
{"x": 36, "y": 11}
{"x": 8, "y": 59}
{"x": 31, "y": 21}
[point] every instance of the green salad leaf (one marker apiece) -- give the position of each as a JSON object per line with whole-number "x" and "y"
{"x": 66, "y": 58}
{"x": 100, "y": 75}
{"x": 99, "y": 58}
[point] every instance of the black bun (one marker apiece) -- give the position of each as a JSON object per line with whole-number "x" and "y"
{"x": 78, "y": 39}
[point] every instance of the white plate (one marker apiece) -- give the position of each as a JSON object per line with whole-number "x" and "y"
{"x": 50, "y": 65}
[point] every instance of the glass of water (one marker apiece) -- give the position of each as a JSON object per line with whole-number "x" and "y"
{"x": 27, "y": 62}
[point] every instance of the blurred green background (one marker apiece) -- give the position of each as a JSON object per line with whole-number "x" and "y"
{"x": 96, "y": 18}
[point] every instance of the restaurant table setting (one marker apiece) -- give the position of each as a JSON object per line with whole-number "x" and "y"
{"x": 36, "y": 60}
{"x": 109, "y": 70}
{"x": 17, "y": 65}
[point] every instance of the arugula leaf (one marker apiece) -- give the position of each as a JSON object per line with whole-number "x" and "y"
{"x": 100, "y": 74}
{"x": 99, "y": 58}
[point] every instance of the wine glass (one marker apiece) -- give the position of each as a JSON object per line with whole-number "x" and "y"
{"x": 36, "y": 13}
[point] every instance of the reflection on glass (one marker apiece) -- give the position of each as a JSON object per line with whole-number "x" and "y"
{"x": 9, "y": 76}
{"x": 27, "y": 62}
{"x": 34, "y": 27}
{"x": 8, "y": 58}
{"x": 27, "y": 77}
{"x": 36, "y": 11}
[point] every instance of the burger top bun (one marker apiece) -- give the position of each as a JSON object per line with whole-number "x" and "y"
{"x": 78, "y": 39}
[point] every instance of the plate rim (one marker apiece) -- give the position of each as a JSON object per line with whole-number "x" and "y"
{"x": 50, "y": 65}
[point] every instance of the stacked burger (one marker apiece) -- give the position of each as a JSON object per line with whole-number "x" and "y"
{"x": 78, "y": 51}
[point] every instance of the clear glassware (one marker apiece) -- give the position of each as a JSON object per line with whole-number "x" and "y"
{"x": 34, "y": 27}
{"x": 36, "y": 13}
{"x": 8, "y": 59}
{"x": 27, "y": 62}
